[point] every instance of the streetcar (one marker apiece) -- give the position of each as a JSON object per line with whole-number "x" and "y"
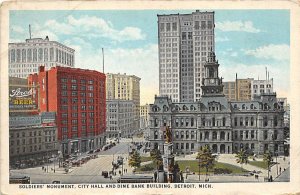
{"x": 135, "y": 179}
{"x": 19, "y": 180}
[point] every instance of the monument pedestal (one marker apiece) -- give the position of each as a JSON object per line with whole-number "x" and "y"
{"x": 168, "y": 161}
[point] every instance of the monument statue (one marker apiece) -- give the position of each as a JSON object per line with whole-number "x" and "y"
{"x": 168, "y": 135}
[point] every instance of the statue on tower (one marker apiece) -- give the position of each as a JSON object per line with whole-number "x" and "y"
{"x": 168, "y": 135}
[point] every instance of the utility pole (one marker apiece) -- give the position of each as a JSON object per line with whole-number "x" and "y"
{"x": 29, "y": 31}
{"x": 102, "y": 59}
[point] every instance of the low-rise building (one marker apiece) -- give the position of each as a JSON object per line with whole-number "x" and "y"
{"x": 32, "y": 139}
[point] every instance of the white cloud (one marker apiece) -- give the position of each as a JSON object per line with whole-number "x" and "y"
{"x": 221, "y": 39}
{"x": 246, "y": 26}
{"x": 91, "y": 26}
{"x": 17, "y": 29}
{"x": 272, "y": 51}
{"x": 280, "y": 74}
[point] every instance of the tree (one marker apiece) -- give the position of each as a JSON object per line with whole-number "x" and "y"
{"x": 268, "y": 158}
{"x": 156, "y": 157}
{"x": 135, "y": 160}
{"x": 242, "y": 157}
{"x": 206, "y": 159}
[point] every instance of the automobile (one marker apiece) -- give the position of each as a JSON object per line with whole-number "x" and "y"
{"x": 98, "y": 150}
{"x": 91, "y": 152}
{"x": 104, "y": 174}
{"x": 56, "y": 182}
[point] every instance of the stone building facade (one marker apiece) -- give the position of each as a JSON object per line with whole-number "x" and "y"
{"x": 125, "y": 87}
{"x": 119, "y": 118}
{"x": 26, "y": 57}
{"x": 184, "y": 41}
{"x": 226, "y": 127}
{"x": 32, "y": 140}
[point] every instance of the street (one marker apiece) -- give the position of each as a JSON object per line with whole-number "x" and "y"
{"x": 89, "y": 172}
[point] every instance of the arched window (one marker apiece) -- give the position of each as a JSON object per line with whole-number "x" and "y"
{"x": 235, "y": 121}
{"x": 266, "y": 107}
{"x": 214, "y": 135}
{"x": 222, "y": 136}
{"x": 211, "y": 73}
{"x": 252, "y": 121}
{"x": 155, "y": 122}
{"x": 265, "y": 121}
{"x": 275, "y": 121}
{"x": 206, "y": 135}
{"x": 243, "y": 107}
{"x": 246, "y": 121}
{"x": 251, "y": 106}
{"x": 235, "y": 106}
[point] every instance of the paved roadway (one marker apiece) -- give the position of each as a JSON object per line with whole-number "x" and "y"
{"x": 89, "y": 172}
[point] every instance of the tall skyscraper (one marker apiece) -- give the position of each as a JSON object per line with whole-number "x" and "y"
{"x": 184, "y": 43}
{"x": 26, "y": 57}
{"x": 125, "y": 87}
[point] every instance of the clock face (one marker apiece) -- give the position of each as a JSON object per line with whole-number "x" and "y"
{"x": 212, "y": 80}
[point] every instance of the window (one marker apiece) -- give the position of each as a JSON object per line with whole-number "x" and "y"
{"x": 40, "y": 54}
{"x": 214, "y": 135}
{"x": 29, "y": 55}
{"x": 183, "y": 36}
{"x": 241, "y": 121}
{"x": 162, "y": 27}
{"x": 74, "y": 87}
{"x": 73, "y": 81}
{"x": 34, "y": 55}
{"x": 252, "y": 121}
{"x": 275, "y": 121}
{"x": 252, "y": 134}
{"x": 265, "y": 135}
{"x": 224, "y": 121}
{"x": 196, "y": 25}
{"x": 174, "y": 26}
{"x": 168, "y": 26}
{"x": 265, "y": 121}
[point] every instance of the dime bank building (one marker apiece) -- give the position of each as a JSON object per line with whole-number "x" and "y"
{"x": 225, "y": 126}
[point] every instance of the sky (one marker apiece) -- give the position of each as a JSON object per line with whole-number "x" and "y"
{"x": 247, "y": 41}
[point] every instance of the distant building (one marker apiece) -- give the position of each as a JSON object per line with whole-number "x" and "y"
{"x": 259, "y": 87}
{"x": 78, "y": 98}
{"x": 144, "y": 116}
{"x": 184, "y": 41}
{"x": 26, "y": 57}
{"x": 125, "y": 87}
{"x": 243, "y": 89}
{"x": 32, "y": 139}
{"x": 230, "y": 90}
{"x": 226, "y": 127}
{"x": 119, "y": 118}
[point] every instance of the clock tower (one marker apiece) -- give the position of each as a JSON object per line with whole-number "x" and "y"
{"x": 212, "y": 84}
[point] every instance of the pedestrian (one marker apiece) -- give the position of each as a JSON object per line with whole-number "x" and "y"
{"x": 120, "y": 172}
{"x": 54, "y": 170}
{"x": 155, "y": 176}
{"x": 284, "y": 158}
{"x": 279, "y": 169}
{"x": 110, "y": 177}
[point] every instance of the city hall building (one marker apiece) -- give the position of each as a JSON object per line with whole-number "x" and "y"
{"x": 225, "y": 126}
{"x": 78, "y": 98}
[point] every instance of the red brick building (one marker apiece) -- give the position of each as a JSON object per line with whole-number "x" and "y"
{"x": 78, "y": 98}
